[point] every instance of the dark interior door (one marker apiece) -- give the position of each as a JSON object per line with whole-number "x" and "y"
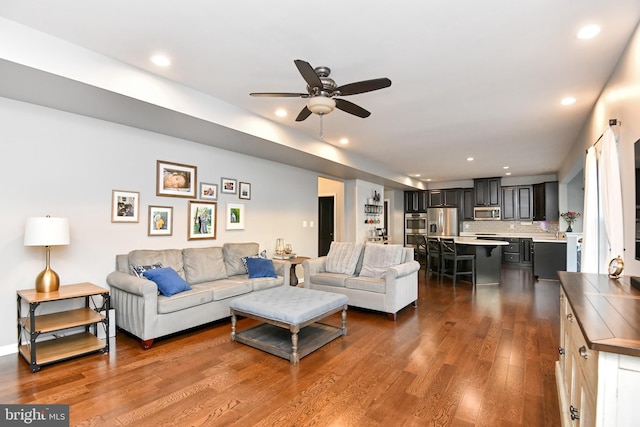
{"x": 325, "y": 224}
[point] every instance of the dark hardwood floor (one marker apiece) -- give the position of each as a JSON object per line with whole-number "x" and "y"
{"x": 461, "y": 358}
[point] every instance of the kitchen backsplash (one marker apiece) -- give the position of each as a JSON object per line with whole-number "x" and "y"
{"x": 510, "y": 226}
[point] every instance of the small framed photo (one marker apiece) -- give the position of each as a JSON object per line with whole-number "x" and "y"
{"x": 235, "y": 216}
{"x": 160, "y": 221}
{"x": 228, "y": 186}
{"x": 208, "y": 191}
{"x": 175, "y": 180}
{"x": 244, "y": 192}
{"x": 202, "y": 220}
{"x": 125, "y": 206}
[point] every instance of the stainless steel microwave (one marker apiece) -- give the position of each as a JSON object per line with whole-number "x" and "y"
{"x": 486, "y": 213}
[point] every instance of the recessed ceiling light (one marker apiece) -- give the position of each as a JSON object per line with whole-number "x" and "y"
{"x": 508, "y": 173}
{"x": 428, "y": 179}
{"x": 469, "y": 159}
{"x": 568, "y": 100}
{"x": 344, "y": 141}
{"x": 281, "y": 113}
{"x": 589, "y": 32}
{"x": 161, "y": 60}
{"x": 416, "y": 175}
{"x": 505, "y": 167}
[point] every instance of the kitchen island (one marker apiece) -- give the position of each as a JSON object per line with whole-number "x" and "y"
{"x": 488, "y": 257}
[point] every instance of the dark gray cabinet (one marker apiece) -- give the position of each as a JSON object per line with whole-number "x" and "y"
{"x": 466, "y": 204}
{"x": 519, "y": 251}
{"x": 447, "y": 198}
{"x": 517, "y": 203}
{"x": 548, "y": 258}
{"x": 545, "y": 202}
{"x": 415, "y": 201}
{"x": 487, "y": 191}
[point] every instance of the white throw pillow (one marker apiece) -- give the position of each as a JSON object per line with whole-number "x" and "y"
{"x": 343, "y": 257}
{"x": 378, "y": 258}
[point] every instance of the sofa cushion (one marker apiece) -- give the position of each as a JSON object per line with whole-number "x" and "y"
{"x": 203, "y": 264}
{"x": 167, "y": 257}
{"x": 139, "y": 270}
{"x": 229, "y": 288}
{"x": 329, "y": 279}
{"x": 369, "y": 284}
{"x": 262, "y": 254}
{"x": 259, "y": 267}
{"x": 378, "y": 258}
{"x": 168, "y": 281}
{"x": 198, "y": 295}
{"x": 262, "y": 283}
{"x": 233, "y": 254}
{"x": 343, "y": 257}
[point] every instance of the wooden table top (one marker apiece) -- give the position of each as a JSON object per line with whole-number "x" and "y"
{"x": 606, "y": 309}
{"x": 64, "y": 292}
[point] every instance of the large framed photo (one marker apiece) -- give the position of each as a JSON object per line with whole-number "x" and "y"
{"x": 202, "y": 220}
{"x": 228, "y": 185}
{"x": 160, "y": 221}
{"x": 208, "y": 191}
{"x": 244, "y": 191}
{"x": 175, "y": 180}
{"x": 235, "y": 216}
{"x": 125, "y": 206}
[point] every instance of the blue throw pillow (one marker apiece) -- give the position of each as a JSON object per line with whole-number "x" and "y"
{"x": 260, "y": 267}
{"x": 169, "y": 282}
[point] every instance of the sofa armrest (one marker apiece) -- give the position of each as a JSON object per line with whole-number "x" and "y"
{"x": 282, "y": 268}
{"x": 132, "y": 284}
{"x": 402, "y": 270}
{"x": 313, "y": 266}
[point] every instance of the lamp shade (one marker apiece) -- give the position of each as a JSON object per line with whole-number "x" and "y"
{"x": 321, "y": 105}
{"x": 46, "y": 231}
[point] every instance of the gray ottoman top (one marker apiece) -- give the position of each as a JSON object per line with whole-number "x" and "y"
{"x": 289, "y": 304}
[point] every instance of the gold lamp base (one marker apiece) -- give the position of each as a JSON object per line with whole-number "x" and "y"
{"x": 47, "y": 281}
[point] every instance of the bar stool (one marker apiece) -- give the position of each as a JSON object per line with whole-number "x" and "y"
{"x": 421, "y": 251}
{"x": 450, "y": 253}
{"x": 433, "y": 257}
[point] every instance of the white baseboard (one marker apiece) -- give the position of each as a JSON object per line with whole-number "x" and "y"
{"x": 6, "y": 350}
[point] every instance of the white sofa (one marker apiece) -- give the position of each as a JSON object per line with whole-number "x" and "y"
{"x": 215, "y": 274}
{"x": 373, "y": 276}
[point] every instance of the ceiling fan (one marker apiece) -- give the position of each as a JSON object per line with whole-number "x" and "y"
{"x": 322, "y": 92}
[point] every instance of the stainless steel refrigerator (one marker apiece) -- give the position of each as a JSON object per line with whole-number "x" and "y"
{"x": 442, "y": 222}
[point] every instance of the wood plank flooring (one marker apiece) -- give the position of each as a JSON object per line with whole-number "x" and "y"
{"x": 461, "y": 358}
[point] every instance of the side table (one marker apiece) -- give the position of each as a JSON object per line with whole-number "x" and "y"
{"x": 31, "y": 326}
{"x": 293, "y": 279}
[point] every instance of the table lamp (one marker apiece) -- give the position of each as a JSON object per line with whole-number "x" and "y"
{"x": 47, "y": 232}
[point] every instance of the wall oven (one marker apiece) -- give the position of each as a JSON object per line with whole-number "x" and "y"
{"x": 415, "y": 225}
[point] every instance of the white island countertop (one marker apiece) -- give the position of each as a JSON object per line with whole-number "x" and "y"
{"x": 470, "y": 240}
{"x": 536, "y": 237}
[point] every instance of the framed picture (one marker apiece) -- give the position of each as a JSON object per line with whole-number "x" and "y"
{"x": 235, "y": 216}
{"x": 160, "y": 221}
{"x": 245, "y": 191}
{"x": 125, "y": 206}
{"x": 208, "y": 191}
{"x": 202, "y": 220}
{"x": 228, "y": 186}
{"x": 175, "y": 180}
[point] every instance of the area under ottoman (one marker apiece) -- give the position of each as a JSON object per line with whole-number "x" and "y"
{"x": 290, "y": 315}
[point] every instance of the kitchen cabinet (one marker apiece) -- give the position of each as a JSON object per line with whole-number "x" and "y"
{"x": 415, "y": 201}
{"x": 549, "y": 258}
{"x": 517, "y": 203}
{"x": 598, "y": 367}
{"x": 466, "y": 204}
{"x": 487, "y": 191}
{"x": 447, "y": 198}
{"x": 517, "y": 252}
{"x": 545, "y": 202}
{"x": 526, "y": 251}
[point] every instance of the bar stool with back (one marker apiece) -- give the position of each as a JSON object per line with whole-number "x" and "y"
{"x": 458, "y": 263}
{"x": 433, "y": 257}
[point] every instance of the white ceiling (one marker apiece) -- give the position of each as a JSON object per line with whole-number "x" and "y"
{"x": 470, "y": 78}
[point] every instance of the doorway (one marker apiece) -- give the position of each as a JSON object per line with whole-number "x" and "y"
{"x": 326, "y": 223}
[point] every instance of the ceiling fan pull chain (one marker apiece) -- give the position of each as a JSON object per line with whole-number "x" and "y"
{"x": 321, "y": 126}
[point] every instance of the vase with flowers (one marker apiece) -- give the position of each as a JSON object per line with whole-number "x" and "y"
{"x": 570, "y": 217}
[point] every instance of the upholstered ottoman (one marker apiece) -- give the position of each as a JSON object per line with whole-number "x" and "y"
{"x": 289, "y": 317}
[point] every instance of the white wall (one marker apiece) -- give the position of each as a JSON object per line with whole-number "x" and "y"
{"x": 331, "y": 187}
{"x": 620, "y": 100}
{"x": 62, "y": 164}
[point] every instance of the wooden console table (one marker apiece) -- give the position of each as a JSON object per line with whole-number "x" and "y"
{"x": 30, "y": 326}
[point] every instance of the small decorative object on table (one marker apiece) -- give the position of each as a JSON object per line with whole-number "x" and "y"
{"x": 570, "y": 217}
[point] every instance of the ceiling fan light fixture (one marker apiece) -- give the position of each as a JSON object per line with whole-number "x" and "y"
{"x": 321, "y": 105}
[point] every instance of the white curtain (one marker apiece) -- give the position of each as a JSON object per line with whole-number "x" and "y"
{"x": 611, "y": 199}
{"x": 590, "y": 240}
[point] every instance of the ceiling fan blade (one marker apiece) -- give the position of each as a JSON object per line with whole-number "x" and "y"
{"x": 364, "y": 86}
{"x": 304, "y": 113}
{"x": 352, "y": 108}
{"x": 308, "y": 73}
{"x": 281, "y": 94}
